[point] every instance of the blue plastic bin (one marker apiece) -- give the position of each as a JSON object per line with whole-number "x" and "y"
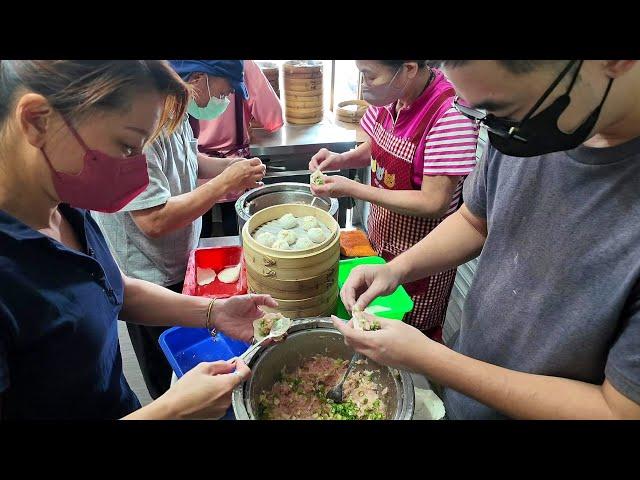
{"x": 187, "y": 347}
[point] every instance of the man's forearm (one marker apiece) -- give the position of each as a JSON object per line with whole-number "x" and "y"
{"x": 516, "y": 394}
{"x": 452, "y": 243}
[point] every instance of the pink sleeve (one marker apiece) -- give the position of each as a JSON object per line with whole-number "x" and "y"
{"x": 368, "y": 120}
{"x": 263, "y": 101}
{"x": 450, "y": 145}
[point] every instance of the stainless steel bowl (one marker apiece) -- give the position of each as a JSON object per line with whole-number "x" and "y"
{"x": 277, "y": 194}
{"x": 306, "y": 338}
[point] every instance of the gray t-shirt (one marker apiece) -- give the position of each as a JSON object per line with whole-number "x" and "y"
{"x": 557, "y": 289}
{"x": 173, "y": 170}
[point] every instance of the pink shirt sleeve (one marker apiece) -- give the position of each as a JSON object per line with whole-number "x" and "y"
{"x": 450, "y": 145}
{"x": 264, "y": 104}
{"x": 368, "y": 120}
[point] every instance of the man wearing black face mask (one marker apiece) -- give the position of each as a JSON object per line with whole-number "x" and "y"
{"x": 551, "y": 324}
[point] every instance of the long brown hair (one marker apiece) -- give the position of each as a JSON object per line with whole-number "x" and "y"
{"x": 78, "y": 87}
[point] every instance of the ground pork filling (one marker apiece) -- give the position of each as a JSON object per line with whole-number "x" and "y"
{"x": 301, "y": 395}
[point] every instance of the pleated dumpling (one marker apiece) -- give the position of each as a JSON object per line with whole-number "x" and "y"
{"x": 288, "y": 235}
{"x": 266, "y": 239}
{"x": 309, "y": 222}
{"x": 302, "y": 243}
{"x": 281, "y": 244}
{"x": 317, "y": 178}
{"x": 288, "y": 221}
{"x": 316, "y": 235}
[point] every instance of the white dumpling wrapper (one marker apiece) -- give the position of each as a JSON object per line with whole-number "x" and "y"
{"x": 266, "y": 239}
{"x": 281, "y": 244}
{"x": 205, "y": 276}
{"x": 288, "y": 235}
{"x": 303, "y": 242}
{"x": 316, "y": 235}
{"x": 309, "y": 222}
{"x": 229, "y": 275}
{"x": 288, "y": 221}
{"x": 317, "y": 177}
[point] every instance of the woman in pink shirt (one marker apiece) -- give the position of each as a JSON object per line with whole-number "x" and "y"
{"x": 228, "y": 134}
{"x": 420, "y": 150}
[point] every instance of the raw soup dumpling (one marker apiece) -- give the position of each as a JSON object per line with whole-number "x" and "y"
{"x": 288, "y": 235}
{"x": 303, "y": 242}
{"x": 266, "y": 239}
{"x": 229, "y": 275}
{"x": 316, "y": 235}
{"x": 309, "y": 222}
{"x": 317, "y": 177}
{"x": 205, "y": 276}
{"x": 281, "y": 244}
{"x": 288, "y": 221}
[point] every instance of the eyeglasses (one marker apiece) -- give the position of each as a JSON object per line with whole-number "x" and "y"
{"x": 502, "y": 128}
{"x": 507, "y": 128}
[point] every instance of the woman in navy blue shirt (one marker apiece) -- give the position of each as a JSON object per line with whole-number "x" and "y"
{"x": 71, "y": 140}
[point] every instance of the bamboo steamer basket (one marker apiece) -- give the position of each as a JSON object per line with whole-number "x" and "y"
{"x": 304, "y": 85}
{"x": 314, "y": 102}
{"x": 303, "y": 91}
{"x": 301, "y": 67}
{"x": 304, "y": 112}
{"x": 299, "y": 95}
{"x": 304, "y": 121}
{"x": 303, "y": 282}
{"x": 351, "y": 115}
{"x": 298, "y": 304}
{"x": 272, "y": 72}
{"x": 292, "y": 289}
{"x": 267, "y": 266}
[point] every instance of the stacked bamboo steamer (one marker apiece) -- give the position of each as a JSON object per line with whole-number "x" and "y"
{"x": 303, "y": 282}
{"x": 272, "y": 73}
{"x": 351, "y": 111}
{"x": 303, "y": 91}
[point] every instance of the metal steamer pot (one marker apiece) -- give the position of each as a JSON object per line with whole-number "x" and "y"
{"x": 308, "y": 337}
{"x": 278, "y": 194}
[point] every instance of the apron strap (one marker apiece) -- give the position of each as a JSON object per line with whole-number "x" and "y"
{"x": 239, "y": 106}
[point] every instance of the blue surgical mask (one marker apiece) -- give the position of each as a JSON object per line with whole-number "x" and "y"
{"x": 215, "y": 107}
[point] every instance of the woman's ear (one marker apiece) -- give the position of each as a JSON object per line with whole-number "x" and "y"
{"x": 33, "y": 115}
{"x": 412, "y": 69}
{"x": 616, "y": 68}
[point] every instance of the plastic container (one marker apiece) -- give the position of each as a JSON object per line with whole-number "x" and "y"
{"x": 217, "y": 258}
{"x": 393, "y": 306}
{"x": 187, "y": 347}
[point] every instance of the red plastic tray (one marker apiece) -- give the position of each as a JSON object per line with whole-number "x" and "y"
{"x": 217, "y": 258}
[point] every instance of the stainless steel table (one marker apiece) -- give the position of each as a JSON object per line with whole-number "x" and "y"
{"x": 301, "y": 139}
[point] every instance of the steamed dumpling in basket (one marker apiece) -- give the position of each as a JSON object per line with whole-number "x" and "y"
{"x": 316, "y": 235}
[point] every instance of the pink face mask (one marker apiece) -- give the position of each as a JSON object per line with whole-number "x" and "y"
{"x": 105, "y": 183}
